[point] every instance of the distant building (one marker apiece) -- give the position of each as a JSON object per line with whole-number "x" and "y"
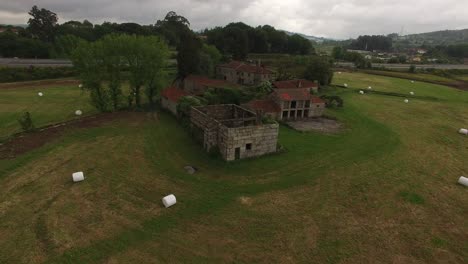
{"x": 233, "y": 130}
{"x": 265, "y": 107}
{"x": 296, "y": 101}
{"x": 244, "y": 74}
{"x": 170, "y": 97}
{"x": 290, "y": 100}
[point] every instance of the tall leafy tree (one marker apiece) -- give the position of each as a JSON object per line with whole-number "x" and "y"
{"x": 319, "y": 69}
{"x": 188, "y": 58}
{"x": 43, "y": 24}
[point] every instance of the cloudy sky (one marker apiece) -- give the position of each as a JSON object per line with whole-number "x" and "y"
{"x": 328, "y": 18}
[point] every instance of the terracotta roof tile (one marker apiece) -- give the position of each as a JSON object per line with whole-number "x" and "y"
{"x": 208, "y": 82}
{"x": 317, "y": 100}
{"x": 268, "y": 106}
{"x": 173, "y": 93}
{"x": 290, "y": 84}
{"x": 294, "y": 95}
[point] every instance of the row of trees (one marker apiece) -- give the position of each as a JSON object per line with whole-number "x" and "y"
{"x": 106, "y": 64}
{"x": 374, "y": 42}
{"x": 239, "y": 39}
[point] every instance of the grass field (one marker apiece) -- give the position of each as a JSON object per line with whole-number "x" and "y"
{"x": 382, "y": 191}
{"x": 58, "y": 103}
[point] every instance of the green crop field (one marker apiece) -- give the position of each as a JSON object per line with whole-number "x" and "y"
{"x": 57, "y": 104}
{"x": 384, "y": 190}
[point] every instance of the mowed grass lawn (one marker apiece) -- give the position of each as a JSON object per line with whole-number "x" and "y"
{"x": 57, "y": 104}
{"x": 382, "y": 191}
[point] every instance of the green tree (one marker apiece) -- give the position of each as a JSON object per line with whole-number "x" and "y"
{"x": 88, "y": 61}
{"x": 209, "y": 57}
{"x": 43, "y": 24}
{"x": 319, "y": 69}
{"x": 188, "y": 56}
{"x": 338, "y": 53}
{"x": 26, "y": 122}
{"x": 64, "y": 45}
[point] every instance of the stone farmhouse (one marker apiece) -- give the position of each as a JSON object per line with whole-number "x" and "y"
{"x": 244, "y": 74}
{"x": 290, "y": 100}
{"x": 235, "y": 131}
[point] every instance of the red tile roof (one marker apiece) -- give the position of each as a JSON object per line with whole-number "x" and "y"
{"x": 173, "y": 93}
{"x": 242, "y": 67}
{"x": 317, "y": 100}
{"x": 267, "y": 106}
{"x": 301, "y": 83}
{"x": 294, "y": 95}
{"x": 202, "y": 80}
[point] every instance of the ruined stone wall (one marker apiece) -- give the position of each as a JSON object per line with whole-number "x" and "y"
{"x": 262, "y": 139}
{"x": 208, "y": 125}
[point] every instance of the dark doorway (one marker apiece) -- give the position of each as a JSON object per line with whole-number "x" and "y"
{"x": 237, "y": 154}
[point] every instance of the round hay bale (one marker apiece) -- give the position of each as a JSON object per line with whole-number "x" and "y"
{"x": 361, "y": 92}
{"x": 463, "y": 181}
{"x": 369, "y": 88}
{"x": 169, "y": 200}
{"x": 412, "y": 81}
{"x": 78, "y": 176}
{"x": 412, "y": 93}
{"x": 406, "y": 101}
{"x": 190, "y": 169}
{"x": 345, "y": 85}
{"x": 463, "y": 131}
{"x": 40, "y": 94}
{"x": 78, "y": 112}
{"x": 80, "y": 86}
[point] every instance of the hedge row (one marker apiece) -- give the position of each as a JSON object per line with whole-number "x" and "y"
{"x": 34, "y": 73}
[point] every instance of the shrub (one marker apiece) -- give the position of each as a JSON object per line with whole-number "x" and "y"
{"x": 34, "y": 73}
{"x": 26, "y": 122}
{"x": 412, "y": 68}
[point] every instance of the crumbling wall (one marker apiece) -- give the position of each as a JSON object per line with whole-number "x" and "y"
{"x": 209, "y": 127}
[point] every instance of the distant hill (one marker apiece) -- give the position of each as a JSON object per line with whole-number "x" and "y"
{"x": 444, "y": 37}
{"x": 313, "y": 38}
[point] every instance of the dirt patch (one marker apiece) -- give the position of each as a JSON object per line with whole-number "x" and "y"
{"x": 321, "y": 124}
{"x": 39, "y": 84}
{"x": 23, "y": 142}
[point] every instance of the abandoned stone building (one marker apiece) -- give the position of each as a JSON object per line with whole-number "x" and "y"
{"x": 290, "y": 100}
{"x": 235, "y": 131}
{"x": 244, "y": 74}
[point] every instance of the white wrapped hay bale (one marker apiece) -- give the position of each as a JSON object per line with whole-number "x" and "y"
{"x": 361, "y": 92}
{"x": 169, "y": 200}
{"x": 463, "y": 181}
{"x": 463, "y": 131}
{"x": 80, "y": 86}
{"x": 345, "y": 85}
{"x": 412, "y": 81}
{"x": 339, "y": 72}
{"x": 406, "y": 101}
{"x": 412, "y": 93}
{"x": 78, "y": 112}
{"x": 369, "y": 88}
{"x": 40, "y": 94}
{"x": 78, "y": 176}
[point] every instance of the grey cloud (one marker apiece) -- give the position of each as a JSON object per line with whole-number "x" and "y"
{"x": 331, "y": 18}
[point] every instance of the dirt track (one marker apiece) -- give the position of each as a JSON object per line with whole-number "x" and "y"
{"x": 24, "y": 142}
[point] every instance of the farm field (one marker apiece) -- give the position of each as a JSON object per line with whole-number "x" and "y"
{"x": 58, "y": 103}
{"x": 381, "y": 191}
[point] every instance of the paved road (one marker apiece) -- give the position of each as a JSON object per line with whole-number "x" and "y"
{"x": 406, "y": 66}
{"x": 8, "y": 62}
